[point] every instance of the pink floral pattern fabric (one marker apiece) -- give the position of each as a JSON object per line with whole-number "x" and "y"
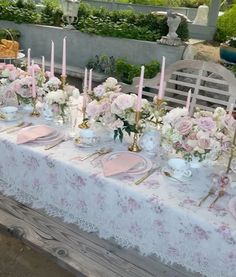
{"x": 159, "y": 216}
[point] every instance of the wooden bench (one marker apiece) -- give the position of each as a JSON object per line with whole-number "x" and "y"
{"x": 82, "y": 253}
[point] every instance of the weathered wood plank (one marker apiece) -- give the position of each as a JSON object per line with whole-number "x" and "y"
{"x": 76, "y": 250}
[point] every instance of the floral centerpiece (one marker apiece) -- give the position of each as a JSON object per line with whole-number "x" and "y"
{"x": 58, "y": 100}
{"x": 115, "y": 109}
{"x": 203, "y": 136}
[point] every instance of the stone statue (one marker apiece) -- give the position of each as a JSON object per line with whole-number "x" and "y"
{"x": 173, "y": 22}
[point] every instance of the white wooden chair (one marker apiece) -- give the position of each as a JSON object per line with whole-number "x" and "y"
{"x": 212, "y": 85}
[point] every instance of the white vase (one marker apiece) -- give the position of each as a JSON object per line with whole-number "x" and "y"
{"x": 150, "y": 141}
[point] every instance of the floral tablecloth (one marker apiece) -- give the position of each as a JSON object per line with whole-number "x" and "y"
{"x": 159, "y": 216}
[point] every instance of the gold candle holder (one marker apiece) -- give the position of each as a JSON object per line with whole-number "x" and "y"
{"x": 63, "y": 81}
{"x": 160, "y": 106}
{"x": 134, "y": 147}
{"x": 35, "y": 112}
{"x": 232, "y": 152}
{"x": 84, "y": 124}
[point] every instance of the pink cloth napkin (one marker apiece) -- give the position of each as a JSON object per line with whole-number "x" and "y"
{"x": 32, "y": 134}
{"x": 232, "y": 206}
{"x": 121, "y": 163}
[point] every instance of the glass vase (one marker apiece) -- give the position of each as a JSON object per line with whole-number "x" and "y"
{"x": 150, "y": 141}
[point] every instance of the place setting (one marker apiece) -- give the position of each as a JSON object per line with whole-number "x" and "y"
{"x": 42, "y": 135}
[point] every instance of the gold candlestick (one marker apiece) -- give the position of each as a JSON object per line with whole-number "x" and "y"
{"x": 35, "y": 112}
{"x": 134, "y": 147}
{"x": 84, "y": 124}
{"x": 231, "y": 153}
{"x": 63, "y": 81}
{"x": 160, "y": 106}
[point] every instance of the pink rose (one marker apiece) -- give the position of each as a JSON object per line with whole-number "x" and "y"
{"x": 117, "y": 124}
{"x": 183, "y": 126}
{"x": 187, "y": 147}
{"x": 207, "y": 124}
{"x": 204, "y": 143}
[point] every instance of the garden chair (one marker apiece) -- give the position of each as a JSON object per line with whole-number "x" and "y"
{"x": 212, "y": 85}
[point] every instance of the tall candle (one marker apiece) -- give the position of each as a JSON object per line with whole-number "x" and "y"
{"x": 161, "y": 88}
{"x": 33, "y": 81}
{"x": 43, "y": 64}
{"x": 85, "y": 87}
{"x": 188, "y": 100}
{"x": 231, "y": 108}
{"x": 52, "y": 60}
{"x": 90, "y": 80}
{"x": 64, "y": 58}
{"x": 28, "y": 60}
{"x": 140, "y": 90}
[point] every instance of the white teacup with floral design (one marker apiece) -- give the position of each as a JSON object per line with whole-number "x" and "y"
{"x": 9, "y": 112}
{"x": 179, "y": 168}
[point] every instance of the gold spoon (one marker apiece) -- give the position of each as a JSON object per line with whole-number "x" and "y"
{"x": 168, "y": 174}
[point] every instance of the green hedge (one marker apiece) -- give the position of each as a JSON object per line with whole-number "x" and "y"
{"x": 226, "y": 25}
{"x": 122, "y": 69}
{"x": 124, "y": 24}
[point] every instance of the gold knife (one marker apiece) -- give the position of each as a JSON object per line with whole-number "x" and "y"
{"x": 53, "y": 145}
{"x": 149, "y": 173}
{"x": 19, "y": 128}
{"x": 12, "y": 127}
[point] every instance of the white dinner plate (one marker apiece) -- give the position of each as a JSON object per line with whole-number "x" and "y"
{"x": 52, "y": 135}
{"x": 50, "y": 141}
{"x": 142, "y": 167}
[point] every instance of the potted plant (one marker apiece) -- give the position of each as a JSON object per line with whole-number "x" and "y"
{"x": 228, "y": 50}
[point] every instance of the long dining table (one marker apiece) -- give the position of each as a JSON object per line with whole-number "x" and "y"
{"x": 160, "y": 216}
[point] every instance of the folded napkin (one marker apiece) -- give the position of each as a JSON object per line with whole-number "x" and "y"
{"x": 31, "y": 134}
{"x": 232, "y": 206}
{"x": 121, "y": 163}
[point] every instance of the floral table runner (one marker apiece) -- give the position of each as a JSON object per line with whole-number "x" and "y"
{"x": 159, "y": 216}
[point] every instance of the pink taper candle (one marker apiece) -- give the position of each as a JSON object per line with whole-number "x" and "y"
{"x": 52, "y": 60}
{"x": 28, "y": 60}
{"x": 33, "y": 81}
{"x": 140, "y": 90}
{"x": 64, "y": 58}
{"x": 188, "y": 100}
{"x": 85, "y": 87}
{"x": 90, "y": 80}
{"x": 161, "y": 88}
{"x": 43, "y": 64}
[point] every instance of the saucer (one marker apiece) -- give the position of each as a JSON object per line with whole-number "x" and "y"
{"x": 77, "y": 142}
{"x": 17, "y": 116}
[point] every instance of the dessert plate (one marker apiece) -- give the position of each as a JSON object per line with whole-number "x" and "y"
{"x": 142, "y": 167}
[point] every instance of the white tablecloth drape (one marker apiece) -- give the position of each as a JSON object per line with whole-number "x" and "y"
{"x": 159, "y": 216}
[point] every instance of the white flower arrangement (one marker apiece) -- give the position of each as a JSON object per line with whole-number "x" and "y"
{"x": 56, "y": 97}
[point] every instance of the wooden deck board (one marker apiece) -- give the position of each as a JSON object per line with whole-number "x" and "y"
{"x": 82, "y": 253}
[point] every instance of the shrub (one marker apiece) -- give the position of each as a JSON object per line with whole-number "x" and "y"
{"x": 20, "y": 12}
{"x": 226, "y": 25}
{"x": 121, "y": 68}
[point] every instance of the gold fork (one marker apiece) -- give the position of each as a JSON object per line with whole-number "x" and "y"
{"x": 210, "y": 192}
{"x": 220, "y": 194}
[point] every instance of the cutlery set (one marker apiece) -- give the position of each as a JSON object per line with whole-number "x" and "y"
{"x": 212, "y": 192}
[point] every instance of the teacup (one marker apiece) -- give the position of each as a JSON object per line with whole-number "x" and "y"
{"x": 179, "y": 167}
{"x": 88, "y": 137}
{"x": 9, "y": 112}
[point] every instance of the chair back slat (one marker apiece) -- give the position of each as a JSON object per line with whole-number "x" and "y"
{"x": 211, "y": 84}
